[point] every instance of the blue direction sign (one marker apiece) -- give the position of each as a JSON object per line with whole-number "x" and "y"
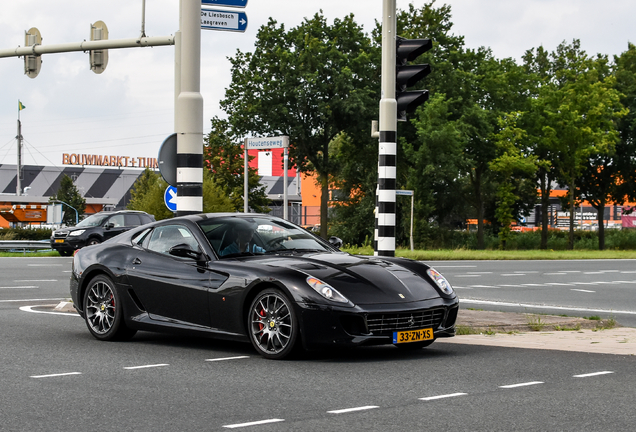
{"x": 228, "y": 3}
{"x": 170, "y": 198}
{"x": 223, "y": 20}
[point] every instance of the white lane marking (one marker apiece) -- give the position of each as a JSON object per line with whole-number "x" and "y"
{"x": 512, "y": 274}
{"x": 55, "y": 375}
{"x": 629, "y": 271}
{"x": 348, "y": 410}
{"x": 239, "y": 425}
{"x": 592, "y": 374}
{"x": 35, "y": 280}
{"x": 482, "y": 286}
{"x": 570, "y": 271}
{"x": 510, "y": 286}
{"x": 457, "y": 266}
{"x": 581, "y": 290}
{"x": 458, "y": 287}
{"x": 146, "y": 366}
{"x": 598, "y": 272}
{"x": 67, "y": 271}
{"x": 559, "y": 284}
{"x": 442, "y": 396}
{"x": 227, "y": 358}
{"x": 555, "y": 274}
{"x": 521, "y": 384}
{"x": 20, "y": 287}
{"x": 533, "y": 285}
{"x": 46, "y": 265}
{"x": 31, "y": 300}
{"x": 471, "y": 275}
{"x": 528, "y": 305}
{"x": 29, "y": 309}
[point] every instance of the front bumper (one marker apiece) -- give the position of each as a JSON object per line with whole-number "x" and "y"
{"x": 325, "y": 326}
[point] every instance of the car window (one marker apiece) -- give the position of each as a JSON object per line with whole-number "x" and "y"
{"x": 92, "y": 221}
{"x": 132, "y": 220}
{"x": 227, "y": 236}
{"x": 117, "y": 221}
{"x": 163, "y": 238}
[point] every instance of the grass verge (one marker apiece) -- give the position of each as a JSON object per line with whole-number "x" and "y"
{"x": 466, "y": 254}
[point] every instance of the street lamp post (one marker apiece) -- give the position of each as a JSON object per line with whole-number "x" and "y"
{"x": 76, "y": 212}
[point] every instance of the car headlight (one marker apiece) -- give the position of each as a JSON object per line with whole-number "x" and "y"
{"x": 325, "y": 290}
{"x": 440, "y": 280}
{"x": 76, "y": 233}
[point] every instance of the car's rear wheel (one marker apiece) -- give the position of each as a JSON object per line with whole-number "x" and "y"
{"x": 272, "y": 324}
{"x": 103, "y": 311}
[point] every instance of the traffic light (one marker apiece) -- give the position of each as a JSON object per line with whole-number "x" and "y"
{"x": 407, "y": 50}
{"x": 32, "y": 63}
{"x": 98, "y": 58}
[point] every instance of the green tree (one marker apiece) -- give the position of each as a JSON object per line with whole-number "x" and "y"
{"x": 516, "y": 171}
{"x": 582, "y": 108}
{"x": 223, "y": 156}
{"x": 68, "y": 193}
{"x": 310, "y": 83}
{"x": 149, "y": 189}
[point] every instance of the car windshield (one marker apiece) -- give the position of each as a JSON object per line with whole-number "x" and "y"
{"x": 92, "y": 221}
{"x": 235, "y": 236}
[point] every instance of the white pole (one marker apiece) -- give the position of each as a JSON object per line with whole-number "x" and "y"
{"x": 246, "y": 188}
{"x": 189, "y": 108}
{"x": 285, "y": 163}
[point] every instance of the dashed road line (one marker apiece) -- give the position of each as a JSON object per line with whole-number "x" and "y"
{"x": 254, "y": 423}
{"x": 30, "y": 309}
{"x": 227, "y": 358}
{"x": 430, "y": 398}
{"x": 348, "y": 410}
{"x": 582, "y": 290}
{"x": 146, "y": 366}
{"x": 525, "y": 384}
{"x": 20, "y": 287}
{"x": 592, "y": 374}
{"x": 55, "y": 375}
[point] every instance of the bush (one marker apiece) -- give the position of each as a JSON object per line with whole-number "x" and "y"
{"x": 25, "y": 234}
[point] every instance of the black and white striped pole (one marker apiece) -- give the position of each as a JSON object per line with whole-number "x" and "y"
{"x": 189, "y": 110}
{"x": 395, "y": 103}
{"x": 385, "y": 193}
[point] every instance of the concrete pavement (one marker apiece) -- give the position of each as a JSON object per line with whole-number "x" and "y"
{"x": 519, "y": 330}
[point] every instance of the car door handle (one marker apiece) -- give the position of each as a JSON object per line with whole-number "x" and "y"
{"x": 136, "y": 261}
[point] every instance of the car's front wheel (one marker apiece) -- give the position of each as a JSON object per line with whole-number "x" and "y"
{"x": 103, "y": 311}
{"x": 272, "y": 324}
{"x": 93, "y": 241}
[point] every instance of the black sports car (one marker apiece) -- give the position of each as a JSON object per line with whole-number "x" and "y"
{"x": 256, "y": 278}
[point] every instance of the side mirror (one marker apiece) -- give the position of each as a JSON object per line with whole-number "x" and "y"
{"x": 335, "y": 242}
{"x": 109, "y": 225}
{"x": 185, "y": 251}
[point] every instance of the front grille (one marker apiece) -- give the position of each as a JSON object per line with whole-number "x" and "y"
{"x": 387, "y": 323}
{"x": 60, "y": 235}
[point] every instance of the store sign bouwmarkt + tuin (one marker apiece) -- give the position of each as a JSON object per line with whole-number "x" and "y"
{"x": 107, "y": 160}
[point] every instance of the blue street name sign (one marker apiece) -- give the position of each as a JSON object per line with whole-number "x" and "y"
{"x": 223, "y": 20}
{"x": 228, "y": 3}
{"x": 170, "y": 198}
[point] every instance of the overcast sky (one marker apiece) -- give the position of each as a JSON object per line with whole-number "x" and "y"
{"x": 128, "y": 110}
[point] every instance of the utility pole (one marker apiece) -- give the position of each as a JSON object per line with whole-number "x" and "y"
{"x": 18, "y": 185}
{"x": 384, "y": 243}
{"x": 189, "y": 110}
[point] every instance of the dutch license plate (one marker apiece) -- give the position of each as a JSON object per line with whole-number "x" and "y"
{"x": 412, "y": 336}
{"x": 59, "y": 240}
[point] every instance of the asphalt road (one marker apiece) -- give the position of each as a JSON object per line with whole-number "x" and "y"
{"x": 55, "y": 376}
{"x": 605, "y": 288}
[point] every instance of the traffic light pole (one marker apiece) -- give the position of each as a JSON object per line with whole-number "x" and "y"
{"x": 189, "y": 110}
{"x": 384, "y": 243}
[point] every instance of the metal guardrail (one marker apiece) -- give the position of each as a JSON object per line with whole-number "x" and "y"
{"x": 24, "y": 245}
